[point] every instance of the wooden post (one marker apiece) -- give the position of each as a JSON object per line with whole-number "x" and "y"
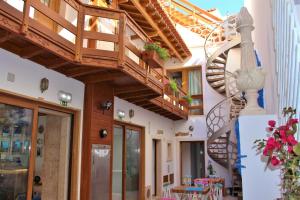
{"x": 25, "y": 24}
{"x": 122, "y": 35}
{"x": 79, "y": 35}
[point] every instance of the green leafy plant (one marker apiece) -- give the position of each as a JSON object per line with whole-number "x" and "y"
{"x": 188, "y": 99}
{"x": 173, "y": 85}
{"x": 162, "y": 52}
{"x": 210, "y": 169}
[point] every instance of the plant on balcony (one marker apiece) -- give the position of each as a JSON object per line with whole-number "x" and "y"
{"x": 173, "y": 85}
{"x": 283, "y": 150}
{"x": 186, "y": 100}
{"x": 155, "y": 55}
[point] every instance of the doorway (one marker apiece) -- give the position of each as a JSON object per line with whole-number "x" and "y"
{"x": 192, "y": 160}
{"x": 128, "y": 162}
{"x": 38, "y": 150}
{"x": 52, "y": 159}
{"x": 156, "y": 186}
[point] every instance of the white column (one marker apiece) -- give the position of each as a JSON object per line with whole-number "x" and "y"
{"x": 250, "y": 79}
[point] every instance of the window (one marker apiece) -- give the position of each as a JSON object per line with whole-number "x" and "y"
{"x": 195, "y": 90}
{"x": 170, "y": 152}
{"x": 190, "y": 80}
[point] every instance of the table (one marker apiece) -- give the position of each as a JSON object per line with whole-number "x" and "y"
{"x": 214, "y": 181}
{"x": 182, "y": 191}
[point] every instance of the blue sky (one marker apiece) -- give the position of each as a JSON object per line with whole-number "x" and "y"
{"x": 225, "y": 6}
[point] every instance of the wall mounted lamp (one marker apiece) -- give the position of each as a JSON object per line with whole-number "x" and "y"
{"x": 103, "y": 133}
{"x": 106, "y": 105}
{"x": 64, "y": 98}
{"x": 121, "y": 114}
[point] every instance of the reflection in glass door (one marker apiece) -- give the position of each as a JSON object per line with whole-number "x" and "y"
{"x": 126, "y": 163}
{"x": 132, "y": 164}
{"x": 15, "y": 145}
{"x": 117, "y": 164}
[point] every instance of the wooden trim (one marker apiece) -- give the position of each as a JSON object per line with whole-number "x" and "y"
{"x": 149, "y": 19}
{"x": 32, "y": 153}
{"x": 54, "y": 16}
{"x": 100, "y": 36}
{"x": 34, "y": 104}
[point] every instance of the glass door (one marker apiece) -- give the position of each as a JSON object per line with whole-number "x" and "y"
{"x": 15, "y": 146}
{"x": 127, "y": 163}
{"x": 132, "y": 164}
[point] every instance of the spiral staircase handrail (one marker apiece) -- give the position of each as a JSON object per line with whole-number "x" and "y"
{"x": 221, "y": 103}
{"x": 218, "y": 25}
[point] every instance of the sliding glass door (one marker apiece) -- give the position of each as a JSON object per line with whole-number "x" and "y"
{"x": 36, "y": 145}
{"x": 127, "y": 163}
{"x": 133, "y": 154}
{"x": 15, "y": 146}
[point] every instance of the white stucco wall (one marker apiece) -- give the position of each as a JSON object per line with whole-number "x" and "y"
{"x": 263, "y": 37}
{"x": 27, "y": 82}
{"x": 210, "y": 99}
{"x": 258, "y": 182}
{"x": 152, "y": 123}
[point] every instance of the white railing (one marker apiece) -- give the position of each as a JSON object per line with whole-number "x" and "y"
{"x": 287, "y": 52}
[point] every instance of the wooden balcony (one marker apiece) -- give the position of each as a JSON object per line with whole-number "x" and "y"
{"x": 70, "y": 45}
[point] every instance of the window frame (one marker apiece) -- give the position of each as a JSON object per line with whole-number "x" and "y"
{"x": 185, "y": 86}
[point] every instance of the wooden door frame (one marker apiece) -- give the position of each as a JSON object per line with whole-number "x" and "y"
{"x": 142, "y": 159}
{"x": 180, "y": 155}
{"x": 159, "y": 180}
{"x": 34, "y": 104}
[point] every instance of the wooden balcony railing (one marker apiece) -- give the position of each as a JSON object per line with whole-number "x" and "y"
{"x": 84, "y": 35}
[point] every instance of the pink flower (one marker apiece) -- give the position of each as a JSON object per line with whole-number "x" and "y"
{"x": 265, "y": 151}
{"x": 291, "y": 140}
{"x": 290, "y": 149}
{"x": 272, "y": 144}
{"x": 292, "y": 122}
{"x": 272, "y": 123}
{"x": 269, "y": 129}
{"x": 284, "y": 128}
{"x": 283, "y": 137}
{"x": 275, "y": 161}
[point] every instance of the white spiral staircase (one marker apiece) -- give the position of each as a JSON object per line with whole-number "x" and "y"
{"x": 220, "y": 121}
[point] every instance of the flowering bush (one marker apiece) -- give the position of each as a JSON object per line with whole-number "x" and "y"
{"x": 282, "y": 149}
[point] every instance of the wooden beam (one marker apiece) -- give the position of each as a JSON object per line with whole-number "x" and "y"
{"x": 31, "y": 51}
{"x": 130, "y": 88}
{"x": 6, "y": 36}
{"x": 144, "y": 12}
{"x": 81, "y": 71}
{"x": 130, "y": 95}
{"x": 101, "y": 77}
{"x": 59, "y": 63}
{"x": 122, "y": 1}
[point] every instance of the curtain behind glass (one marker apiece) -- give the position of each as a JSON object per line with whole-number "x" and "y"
{"x": 195, "y": 86}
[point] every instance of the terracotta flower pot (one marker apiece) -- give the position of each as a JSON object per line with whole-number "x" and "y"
{"x": 153, "y": 59}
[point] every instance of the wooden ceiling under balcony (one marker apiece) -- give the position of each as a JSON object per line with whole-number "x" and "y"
{"x": 151, "y": 17}
{"x": 130, "y": 80}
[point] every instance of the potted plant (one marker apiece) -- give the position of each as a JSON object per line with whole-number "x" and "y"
{"x": 173, "y": 86}
{"x": 186, "y": 100}
{"x": 210, "y": 170}
{"x": 154, "y": 55}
